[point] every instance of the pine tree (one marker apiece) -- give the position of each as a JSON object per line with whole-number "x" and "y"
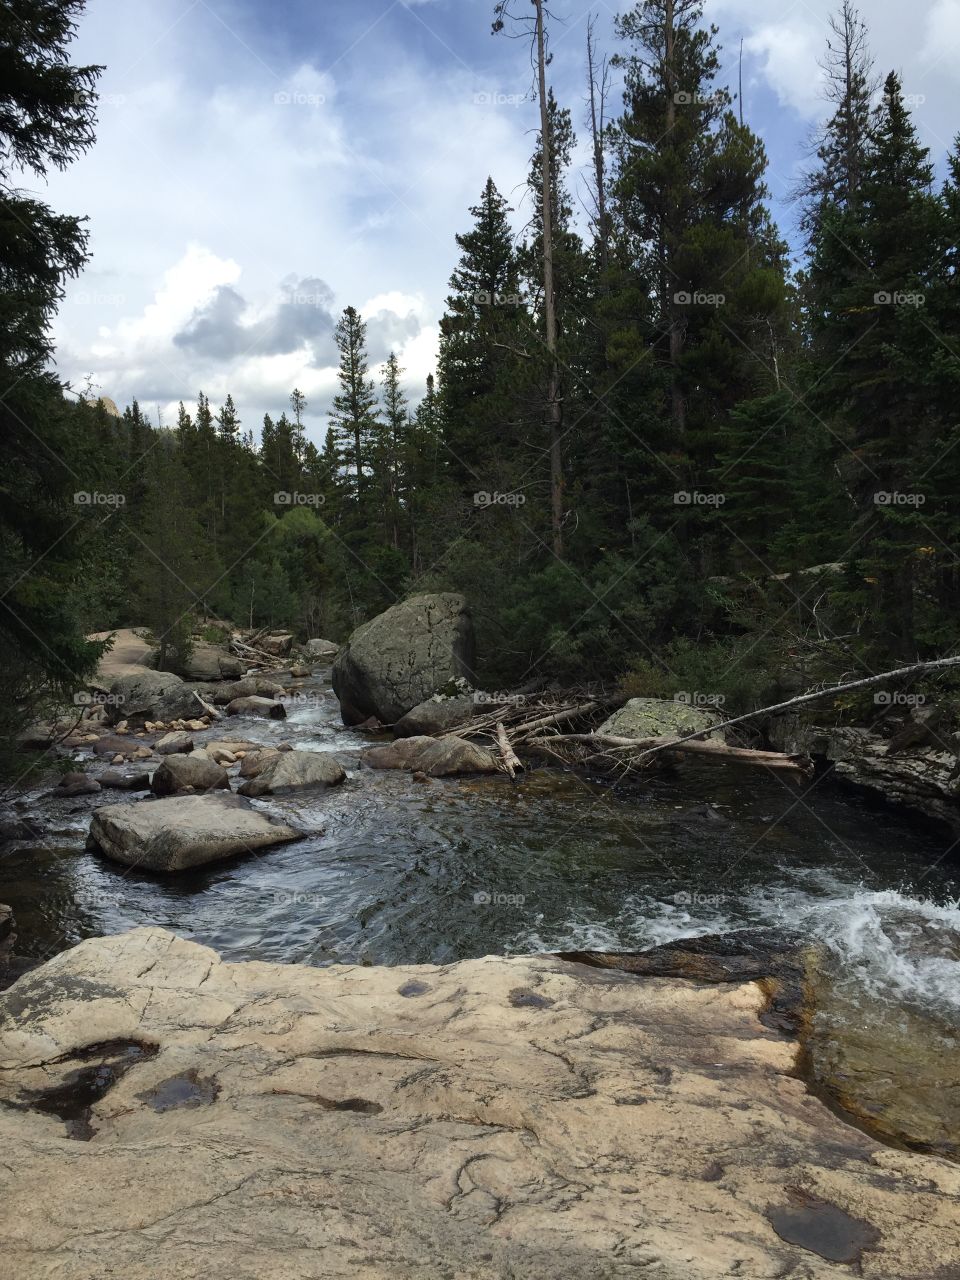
{"x": 354, "y": 413}
{"x": 389, "y": 447}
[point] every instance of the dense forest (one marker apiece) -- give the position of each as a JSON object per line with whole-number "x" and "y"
{"x": 653, "y": 449}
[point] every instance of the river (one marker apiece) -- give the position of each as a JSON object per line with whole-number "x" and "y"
{"x": 392, "y": 870}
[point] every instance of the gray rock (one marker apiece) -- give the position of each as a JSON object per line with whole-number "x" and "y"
{"x": 124, "y": 781}
{"x": 255, "y": 706}
{"x": 657, "y": 718}
{"x": 209, "y": 662}
{"x": 75, "y": 784}
{"x": 320, "y": 649}
{"x": 436, "y": 715}
{"x": 115, "y": 744}
{"x": 404, "y": 656}
{"x": 436, "y": 757}
{"x": 188, "y": 773}
{"x": 249, "y": 687}
{"x": 183, "y": 831}
{"x": 294, "y": 771}
{"x": 172, "y": 744}
{"x": 252, "y": 764}
{"x": 150, "y": 695}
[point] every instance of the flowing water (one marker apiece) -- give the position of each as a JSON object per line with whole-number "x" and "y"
{"x": 392, "y": 870}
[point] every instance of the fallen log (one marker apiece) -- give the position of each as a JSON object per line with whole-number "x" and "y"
{"x": 799, "y": 766}
{"x": 209, "y": 710}
{"x": 507, "y": 753}
{"x": 523, "y": 731}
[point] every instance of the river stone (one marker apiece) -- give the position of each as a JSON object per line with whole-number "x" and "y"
{"x": 174, "y": 743}
{"x": 436, "y": 757}
{"x": 657, "y": 718}
{"x": 196, "y": 772}
{"x": 404, "y": 656}
{"x": 318, "y": 648}
{"x": 436, "y": 715}
{"x": 254, "y": 762}
{"x": 516, "y": 1116}
{"x": 294, "y": 771}
{"x": 124, "y": 781}
{"x": 249, "y": 687}
{"x": 115, "y": 744}
{"x": 183, "y": 831}
{"x": 75, "y": 784}
{"x": 209, "y": 662}
{"x": 254, "y": 706}
{"x": 150, "y": 695}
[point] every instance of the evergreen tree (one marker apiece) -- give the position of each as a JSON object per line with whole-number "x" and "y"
{"x": 354, "y": 413}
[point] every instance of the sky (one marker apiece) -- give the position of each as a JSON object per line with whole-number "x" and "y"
{"x": 261, "y": 164}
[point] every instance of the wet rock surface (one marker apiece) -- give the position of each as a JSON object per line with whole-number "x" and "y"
{"x": 527, "y": 1117}
{"x": 435, "y": 757}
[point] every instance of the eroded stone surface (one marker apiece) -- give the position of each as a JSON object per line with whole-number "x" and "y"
{"x": 519, "y": 1117}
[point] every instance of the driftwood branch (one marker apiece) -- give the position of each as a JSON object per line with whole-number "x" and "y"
{"x": 507, "y": 753}
{"x": 212, "y": 712}
{"x": 797, "y": 765}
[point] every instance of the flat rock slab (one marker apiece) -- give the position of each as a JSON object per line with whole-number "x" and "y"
{"x": 287, "y": 771}
{"x": 437, "y": 757}
{"x": 521, "y": 1117}
{"x": 180, "y": 832}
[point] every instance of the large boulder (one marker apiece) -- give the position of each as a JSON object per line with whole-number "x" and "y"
{"x": 150, "y": 695}
{"x": 209, "y": 662}
{"x": 404, "y": 656}
{"x": 318, "y": 648}
{"x": 268, "y": 707}
{"x": 521, "y": 1117}
{"x": 173, "y": 744}
{"x": 287, "y": 771}
{"x": 436, "y": 715}
{"x": 278, "y": 645}
{"x": 183, "y": 831}
{"x": 196, "y": 772}
{"x": 658, "y": 718}
{"x": 437, "y": 757}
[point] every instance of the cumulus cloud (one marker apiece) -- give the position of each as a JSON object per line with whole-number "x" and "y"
{"x": 302, "y": 320}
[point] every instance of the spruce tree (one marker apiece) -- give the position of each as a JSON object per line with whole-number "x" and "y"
{"x": 354, "y": 413}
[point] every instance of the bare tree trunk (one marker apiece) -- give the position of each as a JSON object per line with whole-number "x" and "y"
{"x": 596, "y": 130}
{"x": 554, "y": 408}
{"x": 677, "y": 405}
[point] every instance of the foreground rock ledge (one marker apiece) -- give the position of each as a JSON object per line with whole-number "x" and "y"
{"x": 523, "y": 1117}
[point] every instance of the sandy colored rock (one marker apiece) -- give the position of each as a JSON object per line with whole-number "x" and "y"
{"x": 288, "y": 771}
{"x": 499, "y": 1117}
{"x": 179, "y": 832}
{"x": 174, "y": 743}
{"x": 438, "y": 757}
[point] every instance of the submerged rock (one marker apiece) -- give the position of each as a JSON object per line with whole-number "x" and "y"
{"x": 404, "y": 656}
{"x": 287, "y": 771}
{"x": 181, "y": 832}
{"x": 499, "y": 1117}
{"x": 438, "y": 757}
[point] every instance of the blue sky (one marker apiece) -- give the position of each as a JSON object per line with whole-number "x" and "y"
{"x": 261, "y": 165}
